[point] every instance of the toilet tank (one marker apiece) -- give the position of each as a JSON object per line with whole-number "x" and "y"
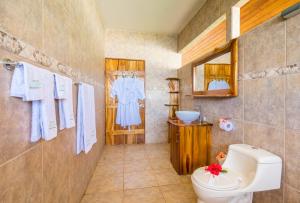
{"x": 261, "y": 169}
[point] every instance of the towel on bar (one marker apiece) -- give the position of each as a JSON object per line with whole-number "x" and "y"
{"x": 26, "y": 82}
{"x": 65, "y": 102}
{"x": 86, "y": 120}
{"x": 59, "y": 86}
{"x": 43, "y": 112}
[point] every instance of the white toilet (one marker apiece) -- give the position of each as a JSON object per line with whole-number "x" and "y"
{"x": 250, "y": 169}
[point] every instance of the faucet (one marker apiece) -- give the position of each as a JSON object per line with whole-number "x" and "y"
{"x": 198, "y": 108}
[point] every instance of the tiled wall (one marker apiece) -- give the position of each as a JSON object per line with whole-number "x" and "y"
{"x": 47, "y": 31}
{"x": 267, "y": 111}
{"x": 209, "y": 13}
{"x": 162, "y": 60}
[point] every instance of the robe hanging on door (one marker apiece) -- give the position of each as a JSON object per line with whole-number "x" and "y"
{"x": 128, "y": 92}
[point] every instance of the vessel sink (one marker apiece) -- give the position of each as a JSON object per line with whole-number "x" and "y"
{"x": 187, "y": 116}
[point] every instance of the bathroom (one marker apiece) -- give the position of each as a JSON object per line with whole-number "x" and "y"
{"x": 152, "y": 41}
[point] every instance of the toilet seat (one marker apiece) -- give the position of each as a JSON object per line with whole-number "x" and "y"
{"x": 223, "y": 182}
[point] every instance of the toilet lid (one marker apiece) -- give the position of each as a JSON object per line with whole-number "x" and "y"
{"x": 224, "y": 181}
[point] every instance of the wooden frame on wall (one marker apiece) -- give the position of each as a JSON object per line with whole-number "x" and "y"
{"x": 232, "y": 47}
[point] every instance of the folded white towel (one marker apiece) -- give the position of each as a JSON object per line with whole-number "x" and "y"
{"x": 65, "y": 106}
{"x": 43, "y": 112}
{"x": 59, "y": 86}
{"x": 86, "y": 120}
{"x": 26, "y": 82}
{"x": 36, "y": 133}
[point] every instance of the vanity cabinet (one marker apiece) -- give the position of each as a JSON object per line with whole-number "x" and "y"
{"x": 190, "y": 145}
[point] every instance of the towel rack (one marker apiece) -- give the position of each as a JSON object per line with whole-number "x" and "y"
{"x": 8, "y": 64}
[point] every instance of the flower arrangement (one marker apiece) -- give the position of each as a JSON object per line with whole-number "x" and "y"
{"x": 215, "y": 169}
{"x": 221, "y": 156}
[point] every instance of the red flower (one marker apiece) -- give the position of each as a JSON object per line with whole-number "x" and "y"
{"x": 214, "y": 169}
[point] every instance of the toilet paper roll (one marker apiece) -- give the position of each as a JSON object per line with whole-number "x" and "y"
{"x": 226, "y": 125}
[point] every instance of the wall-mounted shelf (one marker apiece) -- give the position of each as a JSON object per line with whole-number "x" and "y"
{"x": 174, "y": 96}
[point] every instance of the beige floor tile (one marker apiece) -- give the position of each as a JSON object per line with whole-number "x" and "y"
{"x": 134, "y": 155}
{"x": 167, "y": 177}
{"x": 134, "y": 147}
{"x": 112, "y": 169}
{"x": 157, "y": 147}
{"x": 105, "y": 184}
{"x": 144, "y": 195}
{"x": 107, "y": 197}
{"x": 158, "y": 154}
{"x": 186, "y": 179}
{"x": 114, "y": 149}
{"x": 140, "y": 179}
{"x": 136, "y": 165}
{"x": 160, "y": 163}
{"x": 181, "y": 193}
{"x": 109, "y": 157}
{"x": 138, "y": 174}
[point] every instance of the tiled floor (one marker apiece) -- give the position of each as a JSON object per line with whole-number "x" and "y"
{"x": 138, "y": 174}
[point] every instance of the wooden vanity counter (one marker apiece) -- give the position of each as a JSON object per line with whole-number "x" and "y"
{"x": 190, "y": 145}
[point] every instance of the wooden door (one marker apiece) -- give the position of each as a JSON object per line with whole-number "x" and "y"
{"x": 114, "y": 133}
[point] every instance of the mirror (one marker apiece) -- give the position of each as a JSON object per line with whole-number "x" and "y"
{"x": 216, "y": 74}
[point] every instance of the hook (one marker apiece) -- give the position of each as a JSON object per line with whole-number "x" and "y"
{"x": 8, "y": 64}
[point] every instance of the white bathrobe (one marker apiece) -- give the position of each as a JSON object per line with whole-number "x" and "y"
{"x": 128, "y": 92}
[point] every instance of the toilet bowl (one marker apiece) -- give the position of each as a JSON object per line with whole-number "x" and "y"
{"x": 249, "y": 169}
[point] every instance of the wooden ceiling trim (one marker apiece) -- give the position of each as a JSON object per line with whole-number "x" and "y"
{"x": 214, "y": 38}
{"x": 255, "y": 12}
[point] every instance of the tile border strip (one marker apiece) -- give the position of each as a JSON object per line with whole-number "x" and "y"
{"x": 271, "y": 72}
{"x": 15, "y": 46}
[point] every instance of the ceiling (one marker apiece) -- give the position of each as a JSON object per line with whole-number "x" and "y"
{"x": 155, "y": 16}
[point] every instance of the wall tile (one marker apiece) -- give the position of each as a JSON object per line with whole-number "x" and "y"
{"x": 291, "y": 195}
{"x": 21, "y": 179}
{"x": 292, "y": 98}
{"x": 204, "y": 17}
{"x": 23, "y": 20}
{"x": 268, "y": 196}
{"x": 292, "y": 154}
{"x": 14, "y": 120}
{"x": 264, "y": 101}
{"x": 292, "y": 40}
{"x": 265, "y": 46}
{"x": 56, "y": 29}
{"x": 72, "y": 33}
{"x": 225, "y": 5}
{"x": 224, "y": 138}
{"x": 56, "y": 167}
{"x": 266, "y": 137}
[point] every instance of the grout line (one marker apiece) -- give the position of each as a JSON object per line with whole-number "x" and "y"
{"x": 243, "y": 51}
{"x": 21, "y": 154}
{"x": 43, "y": 188}
{"x": 264, "y": 125}
{"x": 284, "y": 114}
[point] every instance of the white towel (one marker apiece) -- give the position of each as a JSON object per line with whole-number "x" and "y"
{"x": 26, "y": 82}
{"x": 86, "y": 120}
{"x": 65, "y": 102}
{"x": 59, "y": 86}
{"x": 43, "y": 112}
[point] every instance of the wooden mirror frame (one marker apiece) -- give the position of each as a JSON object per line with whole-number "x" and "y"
{"x": 232, "y": 47}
